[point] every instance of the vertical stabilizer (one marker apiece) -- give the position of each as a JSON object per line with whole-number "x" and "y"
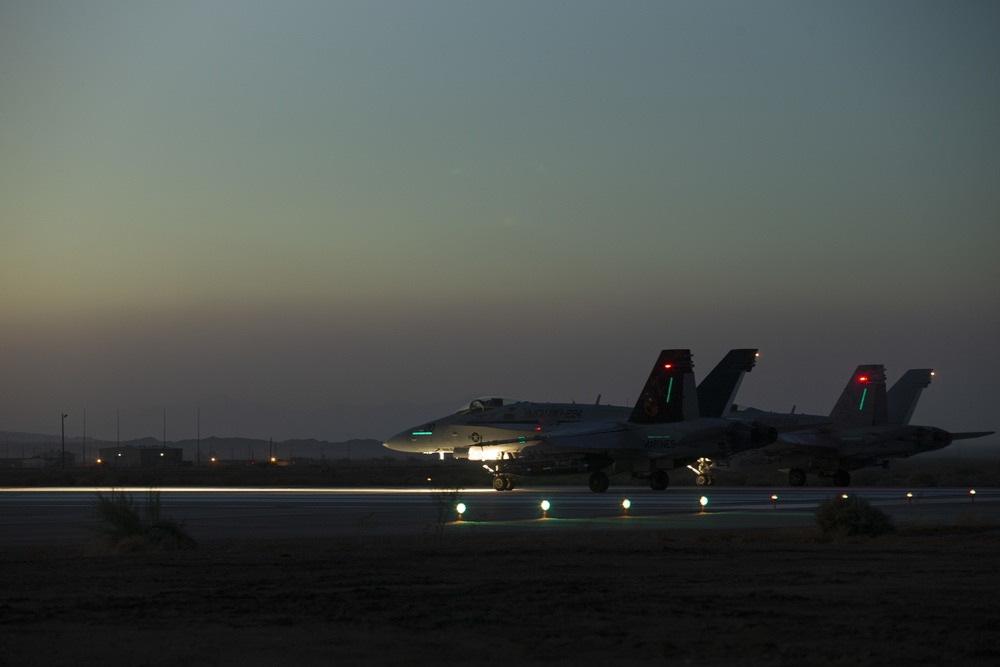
{"x": 717, "y": 392}
{"x": 903, "y": 395}
{"x": 669, "y": 394}
{"x": 863, "y": 402}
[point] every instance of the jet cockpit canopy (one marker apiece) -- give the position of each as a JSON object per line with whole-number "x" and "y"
{"x": 486, "y": 403}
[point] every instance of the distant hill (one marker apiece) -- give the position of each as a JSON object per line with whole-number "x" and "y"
{"x": 27, "y": 445}
{"x": 226, "y": 417}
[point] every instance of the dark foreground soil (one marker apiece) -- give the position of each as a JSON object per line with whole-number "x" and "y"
{"x": 926, "y": 597}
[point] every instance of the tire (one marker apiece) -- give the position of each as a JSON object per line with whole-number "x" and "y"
{"x": 500, "y": 483}
{"x": 598, "y": 482}
{"x": 701, "y": 480}
{"x": 659, "y": 480}
{"x": 796, "y": 477}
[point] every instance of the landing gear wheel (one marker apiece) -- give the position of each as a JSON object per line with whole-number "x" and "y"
{"x": 509, "y": 486}
{"x": 702, "y": 480}
{"x": 797, "y": 477}
{"x": 598, "y": 482}
{"x": 500, "y": 483}
{"x": 842, "y": 478}
{"x": 659, "y": 480}
{"x": 711, "y": 480}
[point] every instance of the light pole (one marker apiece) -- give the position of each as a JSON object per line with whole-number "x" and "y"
{"x": 63, "y": 424}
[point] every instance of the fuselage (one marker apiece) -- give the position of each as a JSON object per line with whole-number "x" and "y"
{"x": 488, "y": 427}
{"x": 841, "y": 449}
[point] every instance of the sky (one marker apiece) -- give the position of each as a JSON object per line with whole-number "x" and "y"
{"x": 305, "y": 204}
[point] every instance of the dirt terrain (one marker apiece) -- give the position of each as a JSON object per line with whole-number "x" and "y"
{"x": 924, "y": 596}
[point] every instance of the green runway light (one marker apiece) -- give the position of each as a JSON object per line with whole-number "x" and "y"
{"x": 460, "y": 508}
{"x": 626, "y": 504}
{"x": 545, "y": 505}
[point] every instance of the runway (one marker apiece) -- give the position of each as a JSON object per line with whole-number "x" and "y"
{"x": 65, "y": 516}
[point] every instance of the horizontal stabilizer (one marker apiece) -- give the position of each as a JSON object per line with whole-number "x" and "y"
{"x": 971, "y": 435}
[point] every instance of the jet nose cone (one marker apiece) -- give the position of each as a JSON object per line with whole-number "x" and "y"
{"x": 399, "y": 442}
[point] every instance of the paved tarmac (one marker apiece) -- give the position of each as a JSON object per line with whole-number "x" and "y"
{"x": 65, "y": 516}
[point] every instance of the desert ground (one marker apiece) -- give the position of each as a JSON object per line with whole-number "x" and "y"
{"x": 926, "y": 595}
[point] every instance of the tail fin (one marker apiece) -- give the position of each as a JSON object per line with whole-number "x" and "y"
{"x": 863, "y": 402}
{"x": 717, "y": 392}
{"x": 903, "y": 395}
{"x": 669, "y": 394}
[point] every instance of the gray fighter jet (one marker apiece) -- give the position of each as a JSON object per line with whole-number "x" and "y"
{"x": 867, "y": 427}
{"x": 663, "y": 431}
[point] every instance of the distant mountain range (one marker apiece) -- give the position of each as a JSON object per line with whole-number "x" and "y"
{"x": 229, "y": 418}
{"x": 234, "y": 429}
{"x": 31, "y": 445}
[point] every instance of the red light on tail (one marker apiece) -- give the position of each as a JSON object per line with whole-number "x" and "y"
{"x": 668, "y": 366}
{"x": 862, "y": 378}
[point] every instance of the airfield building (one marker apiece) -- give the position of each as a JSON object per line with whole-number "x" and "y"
{"x": 141, "y": 457}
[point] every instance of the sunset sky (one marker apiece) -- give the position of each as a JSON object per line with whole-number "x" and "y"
{"x": 304, "y": 204}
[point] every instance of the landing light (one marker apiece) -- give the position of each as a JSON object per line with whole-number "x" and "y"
{"x": 843, "y": 496}
{"x": 774, "y": 499}
{"x": 909, "y": 497}
{"x": 972, "y": 494}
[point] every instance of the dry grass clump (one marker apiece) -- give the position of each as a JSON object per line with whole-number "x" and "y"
{"x": 852, "y": 515}
{"x": 124, "y": 529}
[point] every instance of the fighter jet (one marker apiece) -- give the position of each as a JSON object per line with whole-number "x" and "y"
{"x": 867, "y": 427}
{"x": 663, "y": 431}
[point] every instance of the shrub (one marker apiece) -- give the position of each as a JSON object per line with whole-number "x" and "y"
{"x": 125, "y": 529}
{"x": 852, "y": 516}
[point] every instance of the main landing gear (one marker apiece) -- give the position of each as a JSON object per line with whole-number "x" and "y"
{"x": 841, "y": 478}
{"x": 659, "y": 480}
{"x": 503, "y": 483}
{"x": 797, "y": 477}
{"x": 598, "y": 482}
